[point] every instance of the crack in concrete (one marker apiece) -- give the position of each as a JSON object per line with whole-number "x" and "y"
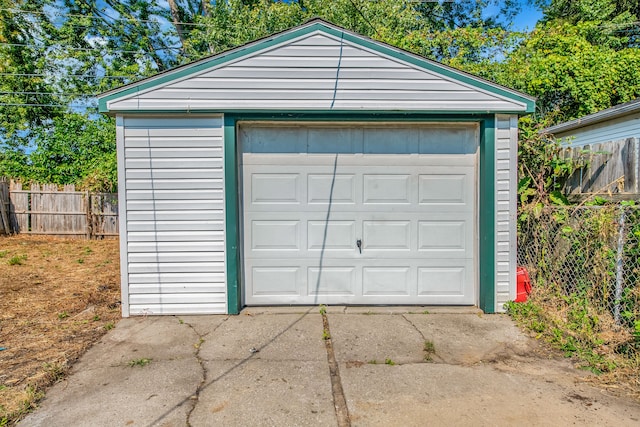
{"x": 339, "y": 400}
{"x": 195, "y": 397}
{"x": 434, "y": 354}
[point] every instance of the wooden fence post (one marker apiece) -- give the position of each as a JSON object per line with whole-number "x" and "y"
{"x": 4, "y": 202}
{"x": 87, "y": 204}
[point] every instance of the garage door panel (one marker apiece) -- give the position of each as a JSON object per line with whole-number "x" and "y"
{"x": 394, "y": 189}
{"x": 331, "y": 235}
{"x": 332, "y": 141}
{"x": 275, "y": 280}
{"x": 386, "y": 235}
{"x": 447, "y": 279}
{"x": 390, "y": 141}
{"x": 443, "y": 189}
{"x": 275, "y": 188}
{"x": 448, "y": 140}
{"x": 329, "y": 188}
{"x": 444, "y": 237}
{"x": 270, "y": 140}
{"x": 381, "y": 281}
{"x": 331, "y": 280}
{"x": 275, "y": 235}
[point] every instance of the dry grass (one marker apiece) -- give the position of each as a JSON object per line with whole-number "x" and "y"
{"x": 592, "y": 339}
{"x": 57, "y": 298}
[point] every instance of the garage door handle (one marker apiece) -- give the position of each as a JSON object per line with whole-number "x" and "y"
{"x": 359, "y": 245}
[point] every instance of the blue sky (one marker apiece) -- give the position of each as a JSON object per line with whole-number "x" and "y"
{"x": 527, "y": 18}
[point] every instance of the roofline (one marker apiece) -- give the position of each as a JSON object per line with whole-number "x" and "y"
{"x": 601, "y": 116}
{"x": 317, "y": 24}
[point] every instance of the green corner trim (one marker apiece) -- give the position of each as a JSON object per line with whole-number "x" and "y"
{"x": 301, "y": 31}
{"x": 486, "y": 208}
{"x": 486, "y": 204}
{"x": 234, "y": 303}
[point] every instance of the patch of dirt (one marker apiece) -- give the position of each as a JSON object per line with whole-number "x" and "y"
{"x": 57, "y": 298}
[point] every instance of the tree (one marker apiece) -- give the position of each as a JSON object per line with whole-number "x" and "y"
{"x": 613, "y": 22}
{"x": 571, "y": 76}
{"x": 26, "y": 99}
{"x": 75, "y": 149}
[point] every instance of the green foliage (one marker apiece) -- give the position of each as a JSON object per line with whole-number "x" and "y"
{"x": 581, "y": 304}
{"x": 542, "y": 169}
{"x": 17, "y": 260}
{"x": 429, "y": 349}
{"x": 22, "y": 56}
{"x": 570, "y": 75}
{"x": 139, "y": 362}
{"x": 76, "y": 149}
{"x": 615, "y": 19}
{"x": 575, "y": 337}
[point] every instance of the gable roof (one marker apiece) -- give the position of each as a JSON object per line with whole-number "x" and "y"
{"x": 315, "y": 67}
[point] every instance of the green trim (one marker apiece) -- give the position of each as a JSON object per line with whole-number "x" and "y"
{"x": 359, "y": 116}
{"x": 317, "y": 25}
{"x": 486, "y": 221}
{"x": 231, "y": 216}
{"x": 301, "y": 114}
{"x": 486, "y": 204}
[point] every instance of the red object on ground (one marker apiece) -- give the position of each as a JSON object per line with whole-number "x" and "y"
{"x": 524, "y": 284}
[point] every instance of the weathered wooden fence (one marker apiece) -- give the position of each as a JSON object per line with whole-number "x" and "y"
{"x": 47, "y": 210}
{"x": 612, "y": 167}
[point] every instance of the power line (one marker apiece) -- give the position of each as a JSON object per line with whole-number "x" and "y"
{"x": 70, "y": 75}
{"x": 3, "y": 104}
{"x": 47, "y": 93}
{"x": 108, "y": 17}
{"x": 89, "y": 49}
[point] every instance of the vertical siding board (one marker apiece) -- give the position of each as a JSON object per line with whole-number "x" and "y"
{"x": 152, "y": 207}
{"x": 505, "y": 205}
{"x": 122, "y": 216}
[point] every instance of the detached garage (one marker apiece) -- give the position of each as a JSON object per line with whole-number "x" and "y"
{"x": 315, "y": 166}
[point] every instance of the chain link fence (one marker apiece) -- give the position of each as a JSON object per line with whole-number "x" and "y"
{"x": 584, "y": 264}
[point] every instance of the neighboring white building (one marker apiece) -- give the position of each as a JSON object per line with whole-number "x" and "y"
{"x": 315, "y": 166}
{"x": 610, "y": 141}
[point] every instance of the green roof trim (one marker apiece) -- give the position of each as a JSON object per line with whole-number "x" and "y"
{"x": 316, "y": 25}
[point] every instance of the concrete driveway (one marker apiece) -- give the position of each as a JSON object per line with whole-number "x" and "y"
{"x": 383, "y": 366}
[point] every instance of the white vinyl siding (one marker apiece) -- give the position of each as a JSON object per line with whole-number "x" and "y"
{"x": 506, "y": 202}
{"x": 316, "y": 72}
{"x": 611, "y": 130}
{"x": 172, "y": 208}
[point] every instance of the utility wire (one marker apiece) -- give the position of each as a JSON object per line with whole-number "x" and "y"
{"x": 69, "y": 75}
{"x": 48, "y": 93}
{"x": 6, "y": 104}
{"x": 87, "y": 49}
{"x": 204, "y": 24}
{"x": 100, "y": 18}
{"x": 365, "y": 18}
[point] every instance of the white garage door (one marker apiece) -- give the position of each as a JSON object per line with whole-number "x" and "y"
{"x": 359, "y": 213}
